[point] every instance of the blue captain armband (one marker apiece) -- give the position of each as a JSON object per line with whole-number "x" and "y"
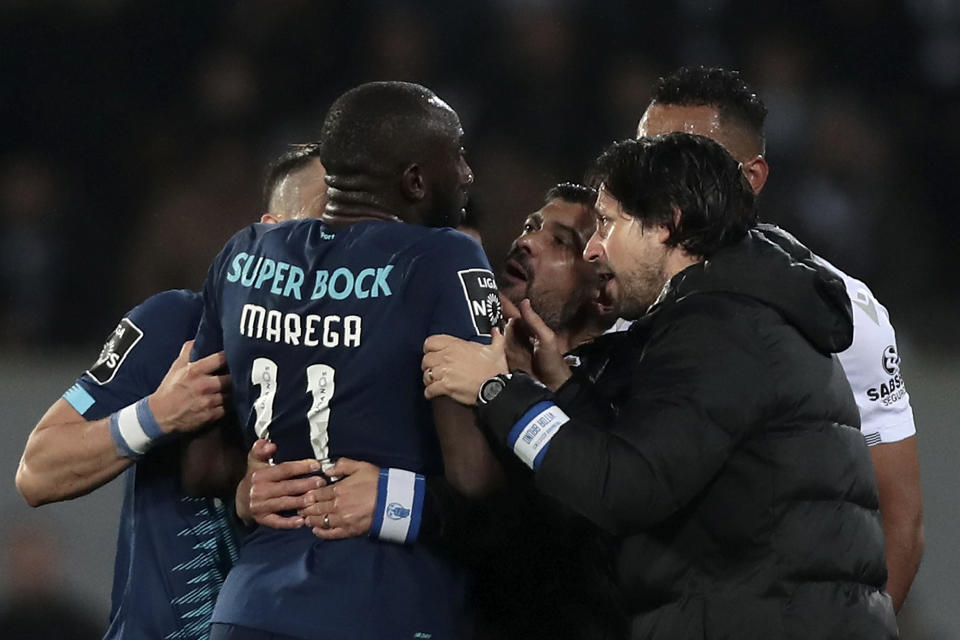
{"x": 399, "y": 510}
{"x": 531, "y": 434}
{"x": 134, "y": 429}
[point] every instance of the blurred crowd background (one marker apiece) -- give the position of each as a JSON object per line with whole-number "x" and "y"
{"x": 136, "y": 133}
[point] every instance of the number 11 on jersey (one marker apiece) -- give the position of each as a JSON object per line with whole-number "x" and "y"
{"x": 320, "y": 385}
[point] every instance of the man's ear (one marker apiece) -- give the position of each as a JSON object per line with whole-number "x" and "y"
{"x": 663, "y": 232}
{"x": 413, "y": 183}
{"x": 270, "y": 218}
{"x": 756, "y": 170}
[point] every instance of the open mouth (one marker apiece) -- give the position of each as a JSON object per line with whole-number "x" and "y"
{"x": 513, "y": 270}
{"x": 605, "y": 300}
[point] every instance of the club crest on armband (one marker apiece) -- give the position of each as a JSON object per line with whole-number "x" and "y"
{"x": 483, "y": 302}
{"x": 396, "y": 511}
{"x": 114, "y": 351}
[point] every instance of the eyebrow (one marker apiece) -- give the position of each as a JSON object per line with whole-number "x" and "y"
{"x": 569, "y": 231}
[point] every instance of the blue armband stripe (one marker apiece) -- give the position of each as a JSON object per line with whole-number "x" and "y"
{"x": 530, "y": 437}
{"x": 525, "y": 419}
{"x": 420, "y": 490}
{"x": 79, "y": 398}
{"x": 378, "y": 510}
{"x": 399, "y": 508}
{"x": 147, "y": 422}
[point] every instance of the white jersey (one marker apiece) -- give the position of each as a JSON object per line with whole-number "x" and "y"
{"x": 872, "y": 366}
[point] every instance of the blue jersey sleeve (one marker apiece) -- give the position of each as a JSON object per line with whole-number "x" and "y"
{"x": 209, "y": 338}
{"x": 137, "y": 354}
{"x": 464, "y": 298}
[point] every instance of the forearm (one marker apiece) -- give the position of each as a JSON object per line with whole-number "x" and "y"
{"x": 901, "y": 508}
{"x": 904, "y": 548}
{"x": 469, "y": 464}
{"x": 67, "y": 456}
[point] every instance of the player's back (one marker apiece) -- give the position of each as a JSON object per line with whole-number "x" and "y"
{"x": 173, "y": 550}
{"x": 324, "y": 331}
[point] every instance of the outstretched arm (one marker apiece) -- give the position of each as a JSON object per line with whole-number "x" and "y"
{"x": 68, "y": 456}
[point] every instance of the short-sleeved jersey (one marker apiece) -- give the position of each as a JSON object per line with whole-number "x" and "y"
{"x": 173, "y": 551}
{"x": 872, "y": 366}
{"x": 323, "y": 329}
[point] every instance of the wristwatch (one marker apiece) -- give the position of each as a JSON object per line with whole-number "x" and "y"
{"x": 492, "y": 387}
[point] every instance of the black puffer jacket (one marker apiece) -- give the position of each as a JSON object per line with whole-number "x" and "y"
{"x": 717, "y": 447}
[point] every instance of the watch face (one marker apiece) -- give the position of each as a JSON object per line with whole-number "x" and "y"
{"x": 490, "y": 389}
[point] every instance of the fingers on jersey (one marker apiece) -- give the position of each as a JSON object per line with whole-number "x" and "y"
{"x": 208, "y": 364}
{"x": 191, "y": 394}
{"x": 346, "y": 467}
{"x": 438, "y": 342}
{"x": 348, "y": 504}
{"x": 458, "y": 367}
{"x": 279, "y": 488}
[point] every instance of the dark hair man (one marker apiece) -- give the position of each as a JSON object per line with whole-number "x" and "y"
{"x": 717, "y": 103}
{"x": 322, "y": 323}
{"x": 710, "y": 442}
{"x": 126, "y": 413}
{"x": 545, "y": 264}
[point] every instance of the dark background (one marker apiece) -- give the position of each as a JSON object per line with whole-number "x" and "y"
{"x": 135, "y": 135}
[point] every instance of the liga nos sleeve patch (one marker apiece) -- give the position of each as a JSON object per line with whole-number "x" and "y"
{"x": 483, "y": 302}
{"x": 115, "y": 351}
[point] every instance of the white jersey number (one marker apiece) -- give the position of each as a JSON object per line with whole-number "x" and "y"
{"x": 320, "y": 385}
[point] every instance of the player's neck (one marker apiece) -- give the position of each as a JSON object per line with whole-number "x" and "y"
{"x": 344, "y": 216}
{"x": 357, "y": 199}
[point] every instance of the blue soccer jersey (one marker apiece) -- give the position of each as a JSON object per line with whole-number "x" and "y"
{"x": 173, "y": 551}
{"x": 324, "y": 330}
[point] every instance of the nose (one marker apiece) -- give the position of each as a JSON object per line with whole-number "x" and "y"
{"x": 593, "y": 250}
{"x": 529, "y": 242}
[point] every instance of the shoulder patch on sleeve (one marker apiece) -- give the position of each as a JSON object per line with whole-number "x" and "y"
{"x": 865, "y": 301}
{"x": 115, "y": 351}
{"x": 483, "y": 301}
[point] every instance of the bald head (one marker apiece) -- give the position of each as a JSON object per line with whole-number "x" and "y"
{"x": 394, "y": 150}
{"x": 379, "y": 127}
